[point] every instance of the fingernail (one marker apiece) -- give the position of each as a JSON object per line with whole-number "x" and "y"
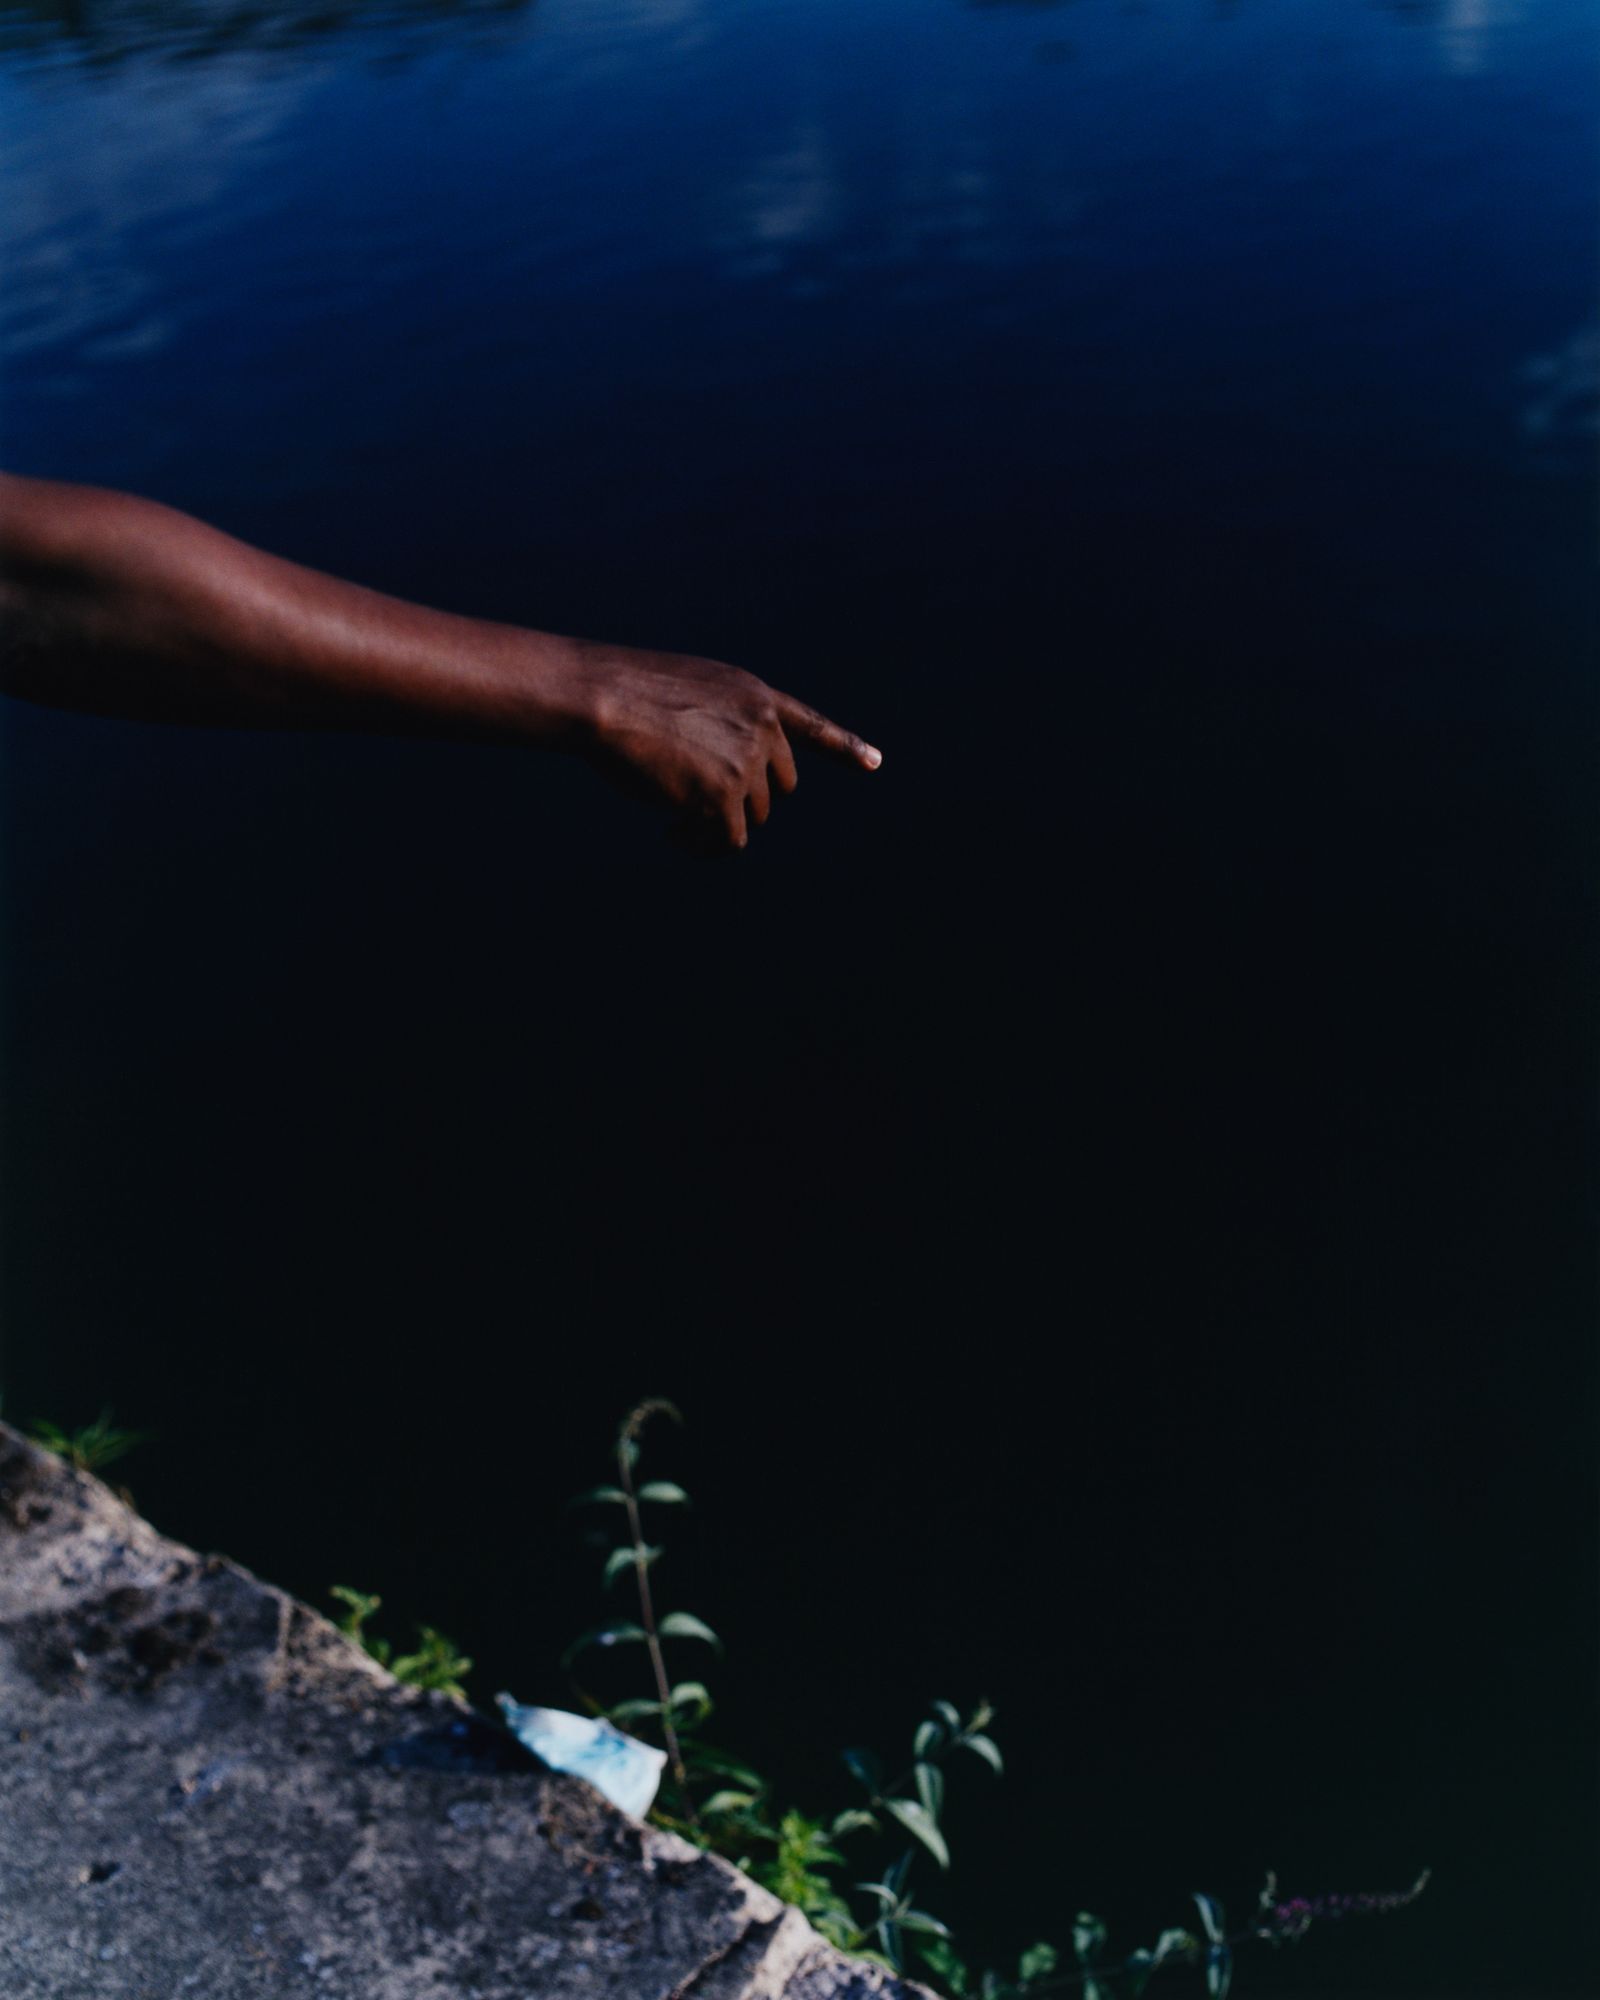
{"x": 872, "y": 758}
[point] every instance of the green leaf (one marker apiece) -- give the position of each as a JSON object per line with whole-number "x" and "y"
{"x": 664, "y": 1493}
{"x": 93, "y": 1446}
{"x": 701, "y": 1757}
{"x": 359, "y": 1607}
{"x": 605, "y": 1635}
{"x": 946, "y": 1965}
{"x": 986, "y": 1748}
{"x": 628, "y": 1558}
{"x": 885, "y": 1895}
{"x": 1088, "y": 1938}
{"x": 863, "y": 1765}
{"x": 919, "y": 1920}
{"x": 920, "y": 1824}
{"x": 684, "y": 1625}
{"x": 690, "y": 1695}
{"x": 1137, "y": 1970}
{"x": 852, "y": 1820}
{"x": 1036, "y": 1961}
{"x": 930, "y": 1789}
{"x": 928, "y": 1734}
{"x": 729, "y": 1802}
{"x": 435, "y": 1665}
{"x": 632, "y": 1711}
{"x": 950, "y": 1714}
{"x": 599, "y": 1496}
{"x": 1211, "y": 1916}
{"x": 1175, "y": 1944}
{"x": 1219, "y": 1971}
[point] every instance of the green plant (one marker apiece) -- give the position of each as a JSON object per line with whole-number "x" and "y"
{"x": 720, "y": 1803}
{"x": 675, "y": 1710}
{"x": 91, "y": 1448}
{"x": 436, "y": 1663}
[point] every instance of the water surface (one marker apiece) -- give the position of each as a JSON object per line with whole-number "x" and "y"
{"x": 1113, "y": 1193}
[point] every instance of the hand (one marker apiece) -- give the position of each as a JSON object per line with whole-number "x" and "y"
{"x": 122, "y": 607}
{"x": 710, "y": 741}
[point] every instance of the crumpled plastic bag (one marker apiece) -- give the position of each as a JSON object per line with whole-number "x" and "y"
{"x": 623, "y": 1769}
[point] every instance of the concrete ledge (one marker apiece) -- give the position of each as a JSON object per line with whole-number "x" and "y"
{"x": 205, "y": 1789}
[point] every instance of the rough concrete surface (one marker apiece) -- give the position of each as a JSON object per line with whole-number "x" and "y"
{"x": 206, "y": 1790}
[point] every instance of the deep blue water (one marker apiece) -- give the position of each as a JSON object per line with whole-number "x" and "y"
{"x": 1114, "y": 1193}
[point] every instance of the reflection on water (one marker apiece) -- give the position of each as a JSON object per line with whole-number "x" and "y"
{"x": 1463, "y": 29}
{"x": 1561, "y": 413}
{"x": 1466, "y": 28}
{"x": 794, "y": 196}
{"x": 79, "y": 217}
{"x": 112, "y": 31}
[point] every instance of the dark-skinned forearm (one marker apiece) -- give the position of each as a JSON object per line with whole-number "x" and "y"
{"x": 124, "y": 607}
{"x": 121, "y": 606}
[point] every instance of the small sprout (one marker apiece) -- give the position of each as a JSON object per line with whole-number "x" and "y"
{"x": 945, "y": 1963}
{"x": 359, "y": 1607}
{"x": 91, "y": 1447}
{"x": 1088, "y": 1938}
{"x": 1037, "y": 1961}
{"x": 436, "y": 1664}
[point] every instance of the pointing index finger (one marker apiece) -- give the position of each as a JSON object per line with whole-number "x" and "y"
{"x": 813, "y": 727}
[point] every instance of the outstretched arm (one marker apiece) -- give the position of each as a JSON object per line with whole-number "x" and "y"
{"x": 123, "y": 607}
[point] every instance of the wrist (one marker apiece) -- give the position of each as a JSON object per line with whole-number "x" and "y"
{"x": 499, "y": 683}
{"x": 562, "y": 692}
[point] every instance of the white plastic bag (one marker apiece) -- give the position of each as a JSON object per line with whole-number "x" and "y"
{"x": 625, "y": 1770}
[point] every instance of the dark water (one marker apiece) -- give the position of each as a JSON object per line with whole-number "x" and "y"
{"x": 1114, "y": 1193}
